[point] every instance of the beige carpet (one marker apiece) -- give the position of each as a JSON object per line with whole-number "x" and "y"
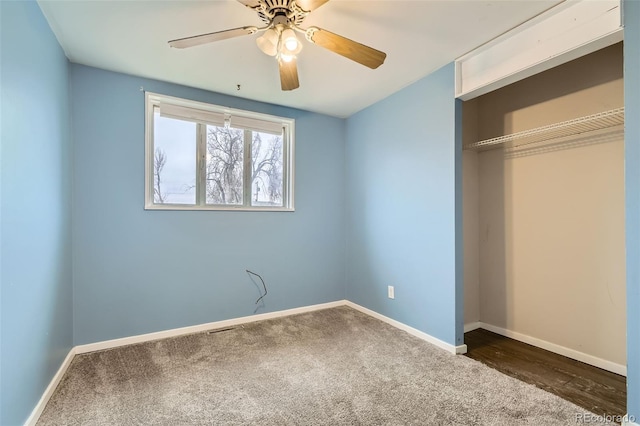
{"x": 336, "y": 366}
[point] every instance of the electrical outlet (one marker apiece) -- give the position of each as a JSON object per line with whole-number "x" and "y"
{"x": 391, "y": 292}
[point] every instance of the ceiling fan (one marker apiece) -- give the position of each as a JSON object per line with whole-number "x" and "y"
{"x": 283, "y": 19}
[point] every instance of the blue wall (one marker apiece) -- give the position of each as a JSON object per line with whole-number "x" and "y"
{"x": 138, "y": 271}
{"x": 35, "y": 209}
{"x": 1, "y": 102}
{"x": 632, "y": 193}
{"x": 402, "y": 163}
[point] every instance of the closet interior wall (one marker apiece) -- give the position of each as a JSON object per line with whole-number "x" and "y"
{"x": 544, "y": 229}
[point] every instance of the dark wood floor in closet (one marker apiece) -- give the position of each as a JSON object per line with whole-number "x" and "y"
{"x": 597, "y": 390}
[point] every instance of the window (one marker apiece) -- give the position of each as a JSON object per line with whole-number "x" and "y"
{"x": 207, "y": 157}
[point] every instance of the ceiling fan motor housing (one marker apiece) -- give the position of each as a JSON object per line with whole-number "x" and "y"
{"x": 268, "y": 10}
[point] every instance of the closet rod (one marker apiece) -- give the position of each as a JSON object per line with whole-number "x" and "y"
{"x": 588, "y": 123}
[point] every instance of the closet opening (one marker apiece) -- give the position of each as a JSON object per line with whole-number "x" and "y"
{"x": 544, "y": 230}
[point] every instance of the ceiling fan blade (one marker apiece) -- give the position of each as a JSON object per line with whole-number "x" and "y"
{"x": 289, "y": 74}
{"x": 309, "y": 5}
{"x": 353, "y": 50}
{"x": 181, "y": 43}
{"x": 250, "y": 3}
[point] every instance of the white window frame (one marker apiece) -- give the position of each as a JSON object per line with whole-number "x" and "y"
{"x": 212, "y": 114}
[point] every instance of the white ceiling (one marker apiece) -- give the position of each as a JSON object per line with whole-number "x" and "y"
{"x": 418, "y": 36}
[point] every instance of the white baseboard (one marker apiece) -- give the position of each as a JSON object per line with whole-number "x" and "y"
{"x": 114, "y": 343}
{"x": 39, "y": 408}
{"x": 472, "y": 326}
{"x": 627, "y": 421}
{"x": 461, "y": 349}
{"x": 552, "y": 347}
{"x": 108, "y": 344}
{"x": 141, "y": 338}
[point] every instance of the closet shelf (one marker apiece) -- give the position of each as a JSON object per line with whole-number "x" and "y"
{"x": 576, "y": 126}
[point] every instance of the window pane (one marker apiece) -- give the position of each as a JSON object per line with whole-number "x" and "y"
{"x": 266, "y": 165}
{"x": 225, "y": 150}
{"x": 209, "y": 157}
{"x": 174, "y": 166}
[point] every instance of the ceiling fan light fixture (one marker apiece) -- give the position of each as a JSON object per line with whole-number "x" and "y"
{"x": 287, "y": 47}
{"x": 268, "y": 42}
{"x": 289, "y": 40}
{"x": 286, "y": 57}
